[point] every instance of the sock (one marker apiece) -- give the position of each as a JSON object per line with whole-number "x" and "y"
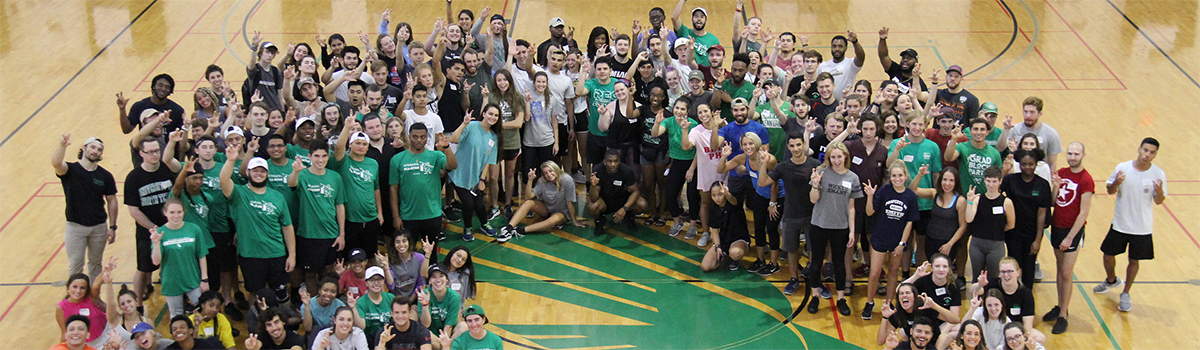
{"x": 521, "y": 230}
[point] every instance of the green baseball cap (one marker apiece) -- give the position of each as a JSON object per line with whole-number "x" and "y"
{"x": 473, "y": 310}
{"x": 989, "y": 107}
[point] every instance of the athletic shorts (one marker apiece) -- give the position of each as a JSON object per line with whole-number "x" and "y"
{"x": 144, "y": 262}
{"x": 596, "y": 146}
{"x": 422, "y": 229}
{"x": 1058, "y": 234}
{"x": 315, "y": 254}
{"x": 611, "y": 205}
{"x": 224, "y": 252}
{"x": 265, "y": 272}
{"x": 510, "y": 154}
{"x": 564, "y": 132}
{"x": 1141, "y": 247}
{"x": 790, "y": 230}
{"x": 922, "y": 225}
{"x": 581, "y": 121}
{"x": 654, "y": 155}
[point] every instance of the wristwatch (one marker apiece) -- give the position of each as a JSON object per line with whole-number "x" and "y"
{"x": 112, "y": 227}
{"x": 772, "y": 204}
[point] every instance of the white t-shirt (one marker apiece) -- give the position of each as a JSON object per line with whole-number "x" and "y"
{"x": 343, "y": 91}
{"x": 561, "y": 88}
{"x": 1133, "y": 212}
{"x": 523, "y": 83}
{"x": 432, "y": 122}
{"x": 683, "y": 70}
{"x": 844, "y": 73}
{"x": 581, "y": 104}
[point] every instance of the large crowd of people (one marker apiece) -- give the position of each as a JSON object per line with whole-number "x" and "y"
{"x": 295, "y": 180}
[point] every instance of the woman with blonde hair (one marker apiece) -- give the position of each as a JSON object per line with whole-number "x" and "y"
{"x": 553, "y": 199}
{"x": 207, "y": 104}
{"x": 758, "y": 161}
{"x": 898, "y": 204}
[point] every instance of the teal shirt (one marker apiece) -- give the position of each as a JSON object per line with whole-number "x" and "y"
{"x": 916, "y": 155}
{"x": 218, "y": 206}
{"x": 260, "y": 219}
{"x": 598, "y": 95}
{"x": 675, "y": 139}
{"x": 419, "y": 178}
{"x": 476, "y": 149}
{"x": 318, "y": 197}
{"x": 699, "y": 43}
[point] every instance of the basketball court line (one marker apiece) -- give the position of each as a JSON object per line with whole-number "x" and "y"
{"x": 73, "y": 77}
{"x": 1139, "y": 29}
{"x": 172, "y": 49}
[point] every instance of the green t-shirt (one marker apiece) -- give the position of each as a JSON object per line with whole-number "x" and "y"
{"x": 196, "y": 210}
{"x": 490, "y": 341}
{"x": 218, "y": 206}
{"x": 420, "y": 179}
{"x": 598, "y": 95}
{"x": 675, "y": 141}
{"x": 745, "y": 91}
{"x": 360, "y": 179}
{"x": 277, "y": 180}
{"x": 442, "y": 312}
{"x": 294, "y": 150}
{"x": 375, "y": 315}
{"x": 916, "y": 155}
{"x": 260, "y": 219}
{"x": 971, "y": 164}
{"x": 318, "y": 197}
{"x": 699, "y": 43}
{"x": 779, "y": 138}
{"x": 181, "y": 253}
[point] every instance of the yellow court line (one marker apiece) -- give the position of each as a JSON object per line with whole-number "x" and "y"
{"x": 654, "y": 246}
{"x": 573, "y": 286}
{"x": 569, "y": 264}
{"x": 603, "y": 347}
{"x": 513, "y": 336}
{"x": 555, "y": 336}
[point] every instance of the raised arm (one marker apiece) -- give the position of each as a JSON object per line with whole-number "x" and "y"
{"x": 126, "y": 126}
{"x": 56, "y": 159}
{"x": 884, "y": 60}
{"x": 675, "y": 15}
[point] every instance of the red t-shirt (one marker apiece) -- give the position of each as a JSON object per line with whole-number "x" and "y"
{"x": 350, "y": 283}
{"x": 936, "y": 136}
{"x": 1066, "y": 205}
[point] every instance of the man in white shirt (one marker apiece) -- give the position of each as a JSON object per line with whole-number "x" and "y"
{"x": 1139, "y": 185}
{"x": 844, "y": 71}
{"x": 420, "y": 113}
{"x": 353, "y": 68}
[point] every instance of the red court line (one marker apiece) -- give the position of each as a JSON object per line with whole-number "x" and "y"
{"x": 754, "y": 6}
{"x": 1048, "y": 65}
{"x": 294, "y": 33}
{"x": 14, "y": 216}
{"x": 177, "y": 42}
{"x": 837, "y": 320}
{"x": 1185, "y": 230}
{"x": 1085, "y": 44}
{"x": 44, "y": 266}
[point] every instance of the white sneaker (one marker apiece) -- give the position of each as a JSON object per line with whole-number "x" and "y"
{"x": 1125, "y": 305}
{"x": 703, "y": 240}
{"x": 1037, "y": 270}
{"x": 1104, "y": 286}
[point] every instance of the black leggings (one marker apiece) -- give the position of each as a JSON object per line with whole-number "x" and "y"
{"x": 472, "y": 205}
{"x": 1019, "y": 249}
{"x": 533, "y": 158}
{"x": 835, "y": 239}
{"x": 766, "y": 230}
{"x": 676, "y": 180}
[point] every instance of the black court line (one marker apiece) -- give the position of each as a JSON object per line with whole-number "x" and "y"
{"x": 85, "y": 67}
{"x": 1160, "y": 50}
{"x": 1011, "y": 39}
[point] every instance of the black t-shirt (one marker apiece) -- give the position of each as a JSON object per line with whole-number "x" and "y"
{"x": 964, "y": 103}
{"x": 897, "y": 74}
{"x": 695, "y": 100}
{"x": 1027, "y": 198}
{"x": 620, "y": 70}
{"x": 149, "y": 191}
{"x": 384, "y": 159}
{"x": 990, "y": 219}
{"x": 794, "y": 87}
{"x": 263, "y": 140}
{"x": 795, "y": 180}
{"x": 544, "y": 47}
{"x": 731, "y": 220}
{"x": 291, "y": 339}
{"x": 820, "y": 110}
{"x": 267, "y": 82}
{"x": 648, "y": 118}
{"x": 85, "y": 191}
{"x": 624, "y": 132}
{"x": 904, "y": 320}
{"x": 410, "y": 339}
{"x": 391, "y": 98}
{"x": 176, "y": 122}
{"x": 615, "y": 187}
{"x": 1020, "y": 303}
{"x": 946, "y": 296}
{"x": 643, "y": 89}
{"x": 199, "y": 344}
{"x": 450, "y": 104}
{"x": 817, "y": 143}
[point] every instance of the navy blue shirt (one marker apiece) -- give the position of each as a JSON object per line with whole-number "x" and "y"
{"x": 893, "y": 210}
{"x": 733, "y": 134}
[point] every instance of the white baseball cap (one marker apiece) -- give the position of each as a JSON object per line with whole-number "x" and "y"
{"x": 234, "y": 129}
{"x": 557, "y": 21}
{"x": 302, "y": 120}
{"x": 359, "y": 136}
{"x": 257, "y": 162}
{"x": 374, "y": 271}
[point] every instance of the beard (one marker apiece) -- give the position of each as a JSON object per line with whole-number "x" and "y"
{"x": 699, "y": 25}
{"x": 258, "y": 184}
{"x": 94, "y": 158}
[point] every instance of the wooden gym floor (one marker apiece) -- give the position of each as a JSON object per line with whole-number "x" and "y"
{"x": 1111, "y": 72}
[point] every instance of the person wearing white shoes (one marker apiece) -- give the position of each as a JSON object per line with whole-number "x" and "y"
{"x": 1139, "y": 185}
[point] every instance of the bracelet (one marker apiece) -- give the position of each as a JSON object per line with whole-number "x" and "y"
{"x": 203, "y": 280}
{"x": 112, "y": 227}
{"x": 970, "y": 203}
{"x": 425, "y": 303}
{"x": 626, "y": 208}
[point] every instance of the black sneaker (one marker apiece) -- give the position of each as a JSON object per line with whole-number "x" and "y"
{"x": 508, "y": 211}
{"x": 734, "y": 265}
{"x": 791, "y": 287}
{"x": 1060, "y": 326}
{"x": 599, "y": 227}
{"x": 868, "y": 311}
{"x": 756, "y": 265}
{"x": 451, "y": 214}
{"x": 232, "y": 312}
{"x": 1052, "y": 315}
{"x": 962, "y": 283}
{"x": 239, "y": 299}
{"x": 814, "y": 304}
{"x": 631, "y": 224}
{"x": 768, "y": 270}
{"x": 843, "y": 308}
{"x": 827, "y": 270}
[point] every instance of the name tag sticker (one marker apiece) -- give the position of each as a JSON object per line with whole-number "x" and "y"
{"x": 353, "y": 290}
{"x": 908, "y": 158}
{"x": 617, "y": 182}
{"x": 941, "y": 291}
{"x": 491, "y": 143}
{"x": 1072, "y": 186}
{"x": 208, "y": 330}
{"x": 856, "y": 160}
{"x": 1015, "y": 311}
{"x": 85, "y": 312}
{"x": 846, "y": 184}
{"x": 998, "y": 210}
{"x": 456, "y": 286}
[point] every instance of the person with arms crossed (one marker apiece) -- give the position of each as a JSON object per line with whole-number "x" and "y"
{"x": 1139, "y": 185}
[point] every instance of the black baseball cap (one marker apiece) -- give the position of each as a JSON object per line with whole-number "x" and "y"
{"x": 909, "y": 52}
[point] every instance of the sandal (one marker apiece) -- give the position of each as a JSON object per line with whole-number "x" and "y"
{"x": 659, "y": 221}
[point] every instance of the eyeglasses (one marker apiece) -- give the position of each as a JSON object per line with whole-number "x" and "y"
{"x": 1015, "y": 338}
{"x": 1007, "y": 272}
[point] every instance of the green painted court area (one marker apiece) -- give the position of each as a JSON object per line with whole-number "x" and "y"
{"x": 573, "y": 289}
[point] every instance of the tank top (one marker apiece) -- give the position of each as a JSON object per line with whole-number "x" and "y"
{"x": 88, "y": 308}
{"x": 624, "y": 132}
{"x": 989, "y": 222}
{"x": 943, "y": 222}
{"x": 763, "y": 191}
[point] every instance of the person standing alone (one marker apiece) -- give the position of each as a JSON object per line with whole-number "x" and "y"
{"x": 88, "y": 188}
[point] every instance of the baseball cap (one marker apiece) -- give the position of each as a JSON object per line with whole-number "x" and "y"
{"x": 989, "y": 107}
{"x": 496, "y": 17}
{"x": 234, "y": 129}
{"x": 681, "y": 42}
{"x": 306, "y": 80}
{"x": 948, "y": 112}
{"x": 701, "y": 9}
{"x": 474, "y": 309}
{"x": 954, "y": 68}
{"x": 557, "y": 21}
{"x": 909, "y": 52}
{"x": 257, "y": 162}
{"x": 696, "y": 74}
{"x": 434, "y": 268}
{"x": 303, "y": 120}
{"x": 717, "y": 47}
{"x": 359, "y": 136}
{"x": 357, "y": 255}
{"x": 93, "y": 139}
{"x": 146, "y": 114}
{"x": 374, "y": 271}
{"x": 268, "y": 46}
{"x": 140, "y": 327}
{"x": 739, "y": 101}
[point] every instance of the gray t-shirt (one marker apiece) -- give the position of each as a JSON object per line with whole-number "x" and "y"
{"x": 836, "y": 191}
{"x": 539, "y": 130}
{"x": 556, "y": 199}
{"x": 460, "y": 282}
{"x": 407, "y": 276}
{"x": 1047, "y": 137}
